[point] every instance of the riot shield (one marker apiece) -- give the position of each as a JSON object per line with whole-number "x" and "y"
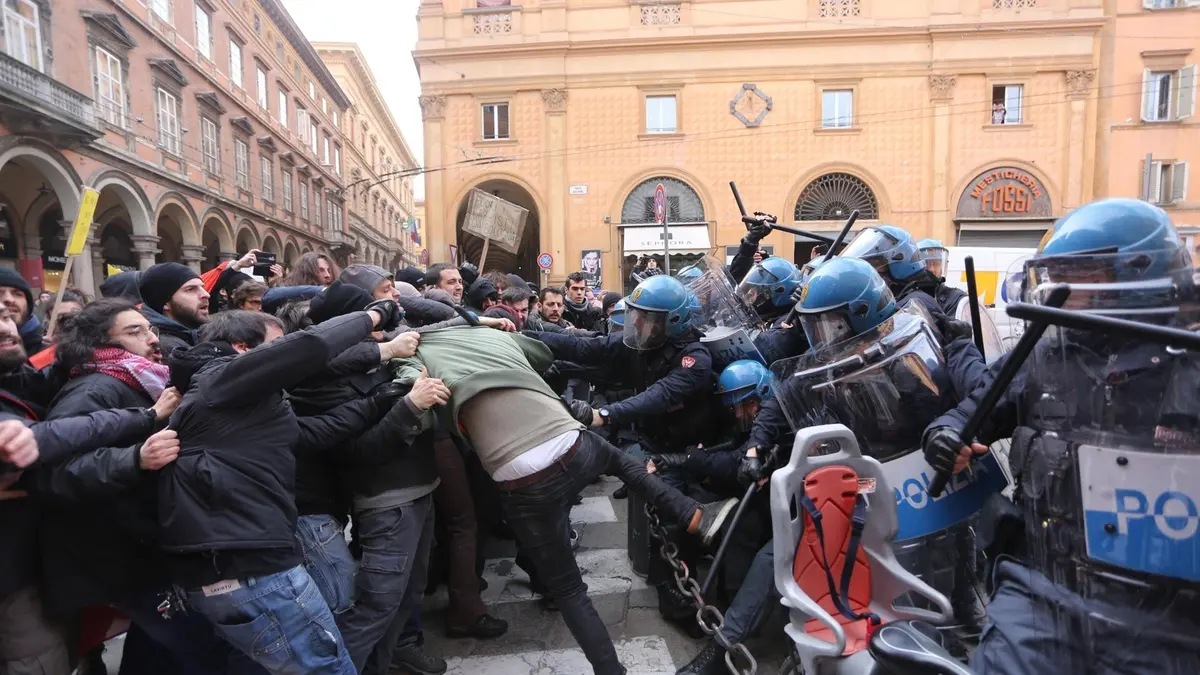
{"x": 993, "y": 344}
{"x": 728, "y": 323}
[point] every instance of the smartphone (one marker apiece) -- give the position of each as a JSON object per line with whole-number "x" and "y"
{"x": 262, "y": 268}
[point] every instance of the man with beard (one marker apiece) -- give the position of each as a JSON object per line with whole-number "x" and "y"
{"x": 513, "y": 305}
{"x": 447, "y": 278}
{"x": 175, "y": 302}
{"x": 17, "y": 299}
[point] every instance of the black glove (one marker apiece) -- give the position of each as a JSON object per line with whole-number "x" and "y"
{"x": 581, "y": 411}
{"x": 675, "y": 460}
{"x": 750, "y": 470}
{"x": 469, "y": 273}
{"x": 953, "y": 329}
{"x": 386, "y": 394}
{"x": 338, "y": 299}
{"x": 391, "y": 312}
{"x": 942, "y": 448}
{"x": 761, "y": 227}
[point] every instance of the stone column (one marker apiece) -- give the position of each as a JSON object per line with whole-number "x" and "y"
{"x": 145, "y": 247}
{"x": 554, "y": 223}
{"x": 98, "y": 265}
{"x": 227, "y": 255}
{"x": 941, "y": 93}
{"x": 1079, "y": 87}
{"x": 433, "y": 112}
{"x": 192, "y": 256}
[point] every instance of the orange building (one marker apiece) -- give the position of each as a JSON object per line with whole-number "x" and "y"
{"x": 973, "y": 121}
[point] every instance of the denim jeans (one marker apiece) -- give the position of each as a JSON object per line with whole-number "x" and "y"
{"x": 754, "y": 600}
{"x": 186, "y": 643}
{"x": 540, "y": 515}
{"x": 390, "y": 581}
{"x": 327, "y": 559}
{"x": 280, "y": 621}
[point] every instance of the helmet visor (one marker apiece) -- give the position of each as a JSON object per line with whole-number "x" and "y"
{"x": 644, "y": 330}
{"x": 871, "y": 245}
{"x": 935, "y": 260}
{"x": 1132, "y": 284}
{"x": 759, "y": 286}
{"x": 744, "y": 412}
{"x": 827, "y": 328}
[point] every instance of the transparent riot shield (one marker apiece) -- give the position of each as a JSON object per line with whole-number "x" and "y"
{"x": 887, "y": 386}
{"x": 994, "y": 346}
{"x": 728, "y": 323}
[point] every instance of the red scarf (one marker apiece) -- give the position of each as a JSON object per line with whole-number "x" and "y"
{"x": 135, "y": 371}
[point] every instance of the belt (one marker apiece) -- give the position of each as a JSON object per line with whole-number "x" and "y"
{"x": 557, "y": 466}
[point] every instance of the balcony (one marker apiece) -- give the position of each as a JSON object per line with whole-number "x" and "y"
{"x": 339, "y": 239}
{"x": 41, "y": 105}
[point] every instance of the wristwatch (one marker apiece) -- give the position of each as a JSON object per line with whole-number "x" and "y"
{"x": 605, "y": 415}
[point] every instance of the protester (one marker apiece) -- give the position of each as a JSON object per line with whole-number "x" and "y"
{"x": 312, "y": 269}
{"x": 412, "y": 276}
{"x": 17, "y": 299}
{"x": 482, "y": 295}
{"x": 72, "y": 302}
{"x": 372, "y": 279}
{"x": 469, "y": 273}
{"x": 446, "y": 278}
{"x": 513, "y": 305}
{"x": 248, "y": 296}
{"x": 176, "y": 303}
{"x": 122, "y": 285}
{"x": 578, "y": 308}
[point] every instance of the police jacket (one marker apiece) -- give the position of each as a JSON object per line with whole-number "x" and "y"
{"x": 743, "y": 260}
{"x": 781, "y": 343}
{"x": 945, "y": 297}
{"x": 675, "y": 382}
{"x": 227, "y": 505}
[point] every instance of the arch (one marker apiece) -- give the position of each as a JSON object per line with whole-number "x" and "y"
{"x": 247, "y": 238}
{"x": 47, "y": 161}
{"x": 307, "y": 247}
{"x": 965, "y": 180}
{"x": 291, "y": 252}
{"x": 130, "y": 194}
{"x": 514, "y": 189}
{"x": 271, "y": 242}
{"x": 181, "y": 212}
{"x": 882, "y": 201}
{"x": 684, "y": 204}
{"x": 220, "y": 226}
{"x": 691, "y": 180}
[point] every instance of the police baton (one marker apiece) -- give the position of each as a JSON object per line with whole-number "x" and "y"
{"x": 737, "y": 517}
{"x": 1016, "y": 358}
{"x": 1170, "y": 337}
{"x": 973, "y": 303}
{"x": 751, "y": 220}
{"x": 833, "y": 247}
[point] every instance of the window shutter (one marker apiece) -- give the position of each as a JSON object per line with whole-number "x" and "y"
{"x": 1179, "y": 178}
{"x": 1147, "y": 96}
{"x": 1185, "y": 105}
{"x": 1156, "y": 169}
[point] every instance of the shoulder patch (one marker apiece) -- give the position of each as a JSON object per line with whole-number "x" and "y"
{"x": 688, "y": 362}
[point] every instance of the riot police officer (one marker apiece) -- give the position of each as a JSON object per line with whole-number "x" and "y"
{"x": 1103, "y": 575}
{"x": 768, "y": 288}
{"x": 893, "y": 253}
{"x": 934, "y": 283}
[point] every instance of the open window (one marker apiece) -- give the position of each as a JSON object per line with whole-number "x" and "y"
{"x": 1008, "y": 104}
{"x": 1168, "y": 182}
{"x": 1168, "y": 95}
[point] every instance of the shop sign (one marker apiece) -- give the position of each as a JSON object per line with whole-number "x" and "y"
{"x": 1004, "y": 192}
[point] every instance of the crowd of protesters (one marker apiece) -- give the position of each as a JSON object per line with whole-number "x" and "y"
{"x": 243, "y": 468}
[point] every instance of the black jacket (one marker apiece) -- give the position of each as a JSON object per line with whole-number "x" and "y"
{"x": 172, "y": 335}
{"x": 227, "y": 506}
{"x": 584, "y": 316}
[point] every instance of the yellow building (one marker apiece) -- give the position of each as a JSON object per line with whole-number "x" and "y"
{"x": 973, "y": 121}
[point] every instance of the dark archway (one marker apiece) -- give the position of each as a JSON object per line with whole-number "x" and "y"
{"x": 470, "y": 247}
{"x": 117, "y": 246}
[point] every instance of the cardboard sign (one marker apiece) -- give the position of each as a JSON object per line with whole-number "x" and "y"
{"x": 492, "y": 218}
{"x": 83, "y": 222}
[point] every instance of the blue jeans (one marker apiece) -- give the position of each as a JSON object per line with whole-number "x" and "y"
{"x": 540, "y": 515}
{"x": 754, "y": 600}
{"x": 327, "y": 559}
{"x": 390, "y": 581}
{"x": 280, "y": 621}
{"x": 186, "y": 643}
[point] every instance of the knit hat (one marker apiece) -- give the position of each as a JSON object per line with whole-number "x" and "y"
{"x": 610, "y": 298}
{"x": 338, "y": 299}
{"x": 411, "y": 275}
{"x": 159, "y": 283}
{"x": 366, "y": 277}
{"x": 10, "y": 278}
{"x": 122, "y": 285}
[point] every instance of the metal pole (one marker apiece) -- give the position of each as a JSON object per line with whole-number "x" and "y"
{"x": 1015, "y": 359}
{"x": 667, "y": 238}
{"x": 973, "y": 303}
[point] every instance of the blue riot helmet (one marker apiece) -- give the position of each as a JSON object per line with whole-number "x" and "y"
{"x": 1119, "y": 256}
{"x": 843, "y": 298}
{"x": 659, "y": 309}
{"x": 743, "y": 386}
{"x": 890, "y": 250}
{"x": 769, "y": 285}
{"x": 935, "y": 256}
{"x": 616, "y": 320}
{"x": 689, "y": 274}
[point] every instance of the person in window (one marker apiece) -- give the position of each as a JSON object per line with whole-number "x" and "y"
{"x": 998, "y": 113}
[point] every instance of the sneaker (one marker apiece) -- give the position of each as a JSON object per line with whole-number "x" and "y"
{"x": 710, "y": 661}
{"x": 574, "y": 539}
{"x": 414, "y": 660}
{"x": 485, "y": 627}
{"x": 712, "y": 517}
{"x": 621, "y": 492}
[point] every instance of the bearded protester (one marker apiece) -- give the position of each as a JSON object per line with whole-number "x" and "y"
{"x": 228, "y": 511}
{"x": 17, "y": 299}
{"x": 312, "y": 269}
{"x": 513, "y": 305}
{"x": 445, "y": 277}
{"x": 175, "y": 301}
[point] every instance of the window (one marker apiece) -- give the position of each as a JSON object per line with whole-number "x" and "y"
{"x": 110, "y": 87}
{"x": 296, "y": 71}
{"x": 162, "y": 8}
{"x": 241, "y": 156}
{"x": 1170, "y": 95}
{"x": 329, "y": 217}
{"x": 261, "y": 81}
{"x": 837, "y": 109}
{"x": 279, "y": 51}
{"x": 335, "y": 119}
{"x": 661, "y": 115}
{"x": 324, "y": 106}
{"x": 267, "y": 173}
{"x": 1168, "y": 182}
{"x": 235, "y": 62}
{"x": 285, "y": 179}
{"x": 1007, "y": 104}
{"x": 325, "y": 153}
{"x": 495, "y": 122}
{"x": 210, "y": 145}
{"x": 337, "y": 159}
{"x": 303, "y": 200}
{"x": 312, "y": 132}
{"x": 317, "y": 206}
{"x": 23, "y": 32}
{"x": 1167, "y": 4}
{"x": 203, "y": 33}
{"x": 312, "y": 91}
{"x": 283, "y": 107}
{"x": 168, "y": 121}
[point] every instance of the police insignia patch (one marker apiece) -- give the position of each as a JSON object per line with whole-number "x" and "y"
{"x": 637, "y": 292}
{"x": 688, "y": 362}
{"x": 803, "y": 293}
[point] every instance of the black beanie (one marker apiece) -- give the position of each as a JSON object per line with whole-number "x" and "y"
{"x": 10, "y": 278}
{"x": 337, "y": 299}
{"x": 412, "y": 275}
{"x": 161, "y": 281}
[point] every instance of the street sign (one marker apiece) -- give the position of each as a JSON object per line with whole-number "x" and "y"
{"x": 545, "y": 260}
{"x": 578, "y": 189}
{"x": 660, "y": 204}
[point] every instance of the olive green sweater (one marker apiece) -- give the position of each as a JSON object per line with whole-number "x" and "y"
{"x": 471, "y": 360}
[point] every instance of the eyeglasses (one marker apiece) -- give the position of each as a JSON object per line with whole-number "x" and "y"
{"x": 142, "y": 332}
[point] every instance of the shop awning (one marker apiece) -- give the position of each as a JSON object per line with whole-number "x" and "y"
{"x": 684, "y": 239}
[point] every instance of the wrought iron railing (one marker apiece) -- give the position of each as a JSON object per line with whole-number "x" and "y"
{"x": 28, "y": 83}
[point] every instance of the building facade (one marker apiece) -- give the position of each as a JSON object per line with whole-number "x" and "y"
{"x": 209, "y": 127}
{"x": 379, "y": 196}
{"x": 977, "y": 122}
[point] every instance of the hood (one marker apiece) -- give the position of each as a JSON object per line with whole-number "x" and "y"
{"x": 122, "y": 285}
{"x": 169, "y": 326}
{"x": 438, "y": 295}
{"x": 186, "y": 362}
{"x": 407, "y": 290}
{"x": 479, "y": 292}
{"x": 366, "y": 277}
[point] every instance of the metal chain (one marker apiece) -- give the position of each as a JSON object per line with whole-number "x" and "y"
{"x": 710, "y": 618}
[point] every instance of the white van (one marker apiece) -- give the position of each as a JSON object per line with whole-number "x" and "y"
{"x": 993, "y": 267}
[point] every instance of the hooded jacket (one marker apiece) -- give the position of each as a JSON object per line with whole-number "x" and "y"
{"x": 172, "y": 335}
